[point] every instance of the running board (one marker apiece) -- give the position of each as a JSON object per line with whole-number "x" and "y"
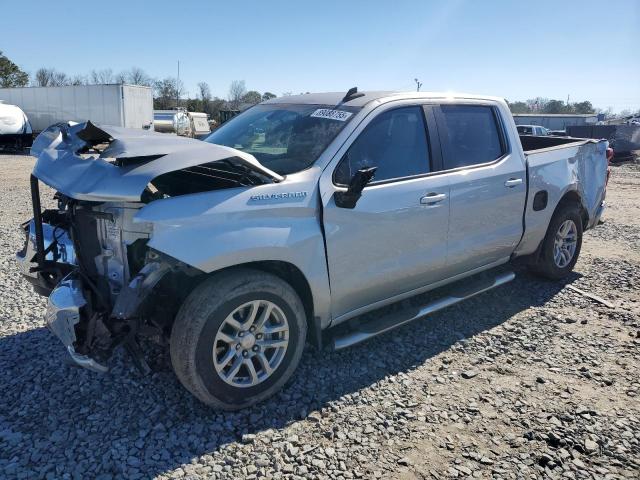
{"x": 388, "y": 322}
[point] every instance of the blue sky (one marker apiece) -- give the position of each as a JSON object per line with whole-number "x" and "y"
{"x": 587, "y": 49}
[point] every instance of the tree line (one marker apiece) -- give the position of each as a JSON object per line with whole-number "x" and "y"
{"x": 169, "y": 92}
{"x": 546, "y": 105}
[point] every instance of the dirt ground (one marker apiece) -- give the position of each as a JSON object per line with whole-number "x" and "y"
{"x": 531, "y": 380}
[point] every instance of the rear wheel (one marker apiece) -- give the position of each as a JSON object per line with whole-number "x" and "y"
{"x": 238, "y": 338}
{"x": 561, "y": 246}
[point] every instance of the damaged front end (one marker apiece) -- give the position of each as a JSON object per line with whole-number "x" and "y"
{"x": 105, "y": 286}
{"x": 93, "y": 263}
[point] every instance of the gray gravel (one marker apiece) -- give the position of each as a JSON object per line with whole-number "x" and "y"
{"x": 528, "y": 381}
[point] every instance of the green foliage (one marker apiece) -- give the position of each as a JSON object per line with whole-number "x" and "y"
{"x": 519, "y": 107}
{"x": 167, "y": 92}
{"x": 583, "y": 107}
{"x": 10, "y": 74}
{"x": 545, "y": 105}
{"x": 252, "y": 97}
{"x": 554, "y": 106}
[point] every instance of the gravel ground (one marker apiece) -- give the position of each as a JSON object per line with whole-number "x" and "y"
{"x": 531, "y": 380}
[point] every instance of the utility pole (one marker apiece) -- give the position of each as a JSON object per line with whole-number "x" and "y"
{"x": 418, "y": 84}
{"x": 178, "y": 87}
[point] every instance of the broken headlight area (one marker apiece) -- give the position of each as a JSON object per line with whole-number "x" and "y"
{"x": 58, "y": 256}
{"x": 93, "y": 263}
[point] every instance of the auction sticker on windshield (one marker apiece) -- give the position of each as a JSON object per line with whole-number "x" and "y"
{"x": 339, "y": 115}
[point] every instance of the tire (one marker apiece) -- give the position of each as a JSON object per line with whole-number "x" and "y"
{"x": 207, "y": 320}
{"x": 546, "y": 264}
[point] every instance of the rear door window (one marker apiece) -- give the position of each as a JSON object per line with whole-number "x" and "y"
{"x": 395, "y": 142}
{"x": 470, "y": 135}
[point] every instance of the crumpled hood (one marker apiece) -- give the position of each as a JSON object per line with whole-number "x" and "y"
{"x": 62, "y": 165}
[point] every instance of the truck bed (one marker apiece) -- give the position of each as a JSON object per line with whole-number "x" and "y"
{"x": 531, "y": 142}
{"x": 555, "y": 166}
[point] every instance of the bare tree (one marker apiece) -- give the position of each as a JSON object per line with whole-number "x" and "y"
{"x": 49, "y": 77}
{"x": 102, "y": 76}
{"x": 204, "y": 93}
{"x": 137, "y": 76}
{"x": 79, "y": 80}
{"x": 58, "y": 79}
{"x": 121, "y": 78}
{"x": 237, "y": 90}
{"x": 42, "y": 77}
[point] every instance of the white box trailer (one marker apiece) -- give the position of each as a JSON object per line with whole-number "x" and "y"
{"x": 128, "y": 106}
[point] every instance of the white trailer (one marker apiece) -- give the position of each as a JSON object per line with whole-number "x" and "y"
{"x": 129, "y": 106}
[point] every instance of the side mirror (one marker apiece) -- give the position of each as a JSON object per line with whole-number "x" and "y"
{"x": 360, "y": 180}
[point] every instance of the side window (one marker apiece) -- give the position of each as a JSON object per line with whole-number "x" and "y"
{"x": 395, "y": 142}
{"x": 471, "y": 135}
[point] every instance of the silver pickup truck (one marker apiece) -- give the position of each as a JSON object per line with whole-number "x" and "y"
{"x": 302, "y": 220}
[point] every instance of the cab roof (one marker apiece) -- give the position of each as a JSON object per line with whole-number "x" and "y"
{"x": 335, "y": 98}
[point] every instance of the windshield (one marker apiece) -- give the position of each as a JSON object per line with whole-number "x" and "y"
{"x": 284, "y": 138}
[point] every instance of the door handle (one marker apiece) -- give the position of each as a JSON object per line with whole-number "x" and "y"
{"x": 432, "y": 198}
{"x": 513, "y": 182}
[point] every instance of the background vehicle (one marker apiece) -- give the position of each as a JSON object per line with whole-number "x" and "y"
{"x": 129, "y": 106}
{"x": 15, "y": 129}
{"x": 293, "y": 221}
{"x": 181, "y": 122}
{"x": 558, "y": 133}
{"x": 532, "y": 130}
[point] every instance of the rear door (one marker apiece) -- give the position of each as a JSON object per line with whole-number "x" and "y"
{"x": 395, "y": 239}
{"x": 488, "y": 186}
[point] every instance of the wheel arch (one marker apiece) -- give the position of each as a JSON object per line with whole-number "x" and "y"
{"x": 291, "y": 274}
{"x": 573, "y": 197}
{"x": 570, "y": 197}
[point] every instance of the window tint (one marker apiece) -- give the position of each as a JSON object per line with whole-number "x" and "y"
{"x": 395, "y": 142}
{"x": 471, "y": 135}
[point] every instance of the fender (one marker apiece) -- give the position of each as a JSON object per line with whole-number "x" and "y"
{"x": 581, "y": 170}
{"x": 219, "y": 229}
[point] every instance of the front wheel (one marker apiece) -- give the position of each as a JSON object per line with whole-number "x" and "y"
{"x": 238, "y": 338}
{"x": 561, "y": 246}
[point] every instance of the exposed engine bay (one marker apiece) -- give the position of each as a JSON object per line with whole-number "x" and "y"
{"x": 97, "y": 271}
{"x": 89, "y": 255}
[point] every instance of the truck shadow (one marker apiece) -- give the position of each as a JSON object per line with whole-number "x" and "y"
{"x": 67, "y": 420}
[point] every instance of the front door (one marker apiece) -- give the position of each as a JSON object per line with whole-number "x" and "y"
{"x": 395, "y": 239}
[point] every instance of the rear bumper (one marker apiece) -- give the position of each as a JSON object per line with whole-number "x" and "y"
{"x": 599, "y": 212}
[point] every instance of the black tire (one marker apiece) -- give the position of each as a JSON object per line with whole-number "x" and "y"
{"x": 202, "y": 314}
{"x": 545, "y": 266}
